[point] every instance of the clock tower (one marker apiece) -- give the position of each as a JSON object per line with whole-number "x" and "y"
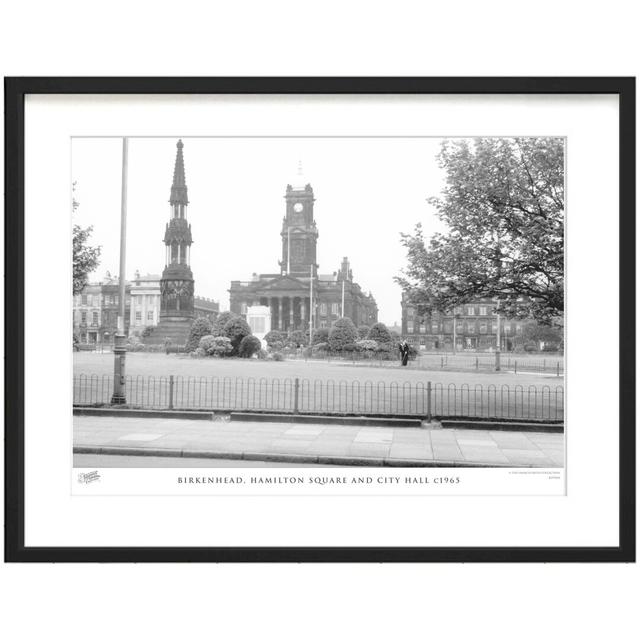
{"x": 299, "y": 232}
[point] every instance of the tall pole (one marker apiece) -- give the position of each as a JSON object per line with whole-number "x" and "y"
{"x": 498, "y": 341}
{"x": 455, "y": 317}
{"x": 119, "y": 347}
{"x": 310, "y": 304}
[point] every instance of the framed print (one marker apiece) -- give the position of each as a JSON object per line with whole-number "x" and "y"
{"x": 320, "y": 319}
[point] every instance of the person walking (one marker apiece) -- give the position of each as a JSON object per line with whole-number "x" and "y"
{"x": 404, "y": 352}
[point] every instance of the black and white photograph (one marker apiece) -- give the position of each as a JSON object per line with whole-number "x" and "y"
{"x": 303, "y": 327}
{"x": 321, "y": 301}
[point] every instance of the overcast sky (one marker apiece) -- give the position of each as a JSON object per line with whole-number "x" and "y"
{"x": 368, "y": 191}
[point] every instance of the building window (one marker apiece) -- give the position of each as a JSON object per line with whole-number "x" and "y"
{"x": 410, "y": 312}
{"x": 243, "y": 308}
{"x": 95, "y": 318}
{"x": 423, "y": 329}
{"x": 150, "y": 299}
{"x": 518, "y": 328}
{"x": 483, "y": 327}
{"x": 84, "y": 298}
{"x": 483, "y": 311}
{"x": 507, "y": 328}
{"x": 459, "y": 327}
{"x": 83, "y": 317}
{"x": 410, "y": 328}
{"x": 448, "y": 327}
{"x": 471, "y": 327}
{"x": 334, "y": 308}
{"x": 471, "y": 311}
{"x": 150, "y": 316}
{"x": 434, "y": 327}
{"x": 323, "y": 324}
{"x": 138, "y": 317}
{"x": 323, "y": 309}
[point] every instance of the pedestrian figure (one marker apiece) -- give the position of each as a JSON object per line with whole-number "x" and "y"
{"x": 404, "y": 352}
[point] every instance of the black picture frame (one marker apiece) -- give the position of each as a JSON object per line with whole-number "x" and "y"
{"x": 15, "y": 91}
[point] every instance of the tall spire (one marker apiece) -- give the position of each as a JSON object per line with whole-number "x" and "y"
{"x": 179, "y": 186}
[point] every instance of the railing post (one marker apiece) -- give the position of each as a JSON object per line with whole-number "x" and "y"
{"x": 441, "y": 362}
{"x": 544, "y": 364}
{"x": 515, "y": 366}
{"x": 557, "y": 369}
{"x": 477, "y": 363}
{"x": 296, "y": 395}
{"x": 170, "y": 393}
{"x": 429, "y": 401}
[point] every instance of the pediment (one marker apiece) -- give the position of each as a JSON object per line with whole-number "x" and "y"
{"x": 285, "y": 283}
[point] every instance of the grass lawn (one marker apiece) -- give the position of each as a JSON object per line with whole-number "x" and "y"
{"x": 160, "y": 364}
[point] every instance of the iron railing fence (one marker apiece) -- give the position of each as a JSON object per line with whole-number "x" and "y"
{"x": 304, "y": 396}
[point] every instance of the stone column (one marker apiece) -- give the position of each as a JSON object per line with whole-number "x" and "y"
{"x": 291, "y": 323}
{"x": 303, "y": 315}
{"x": 280, "y": 323}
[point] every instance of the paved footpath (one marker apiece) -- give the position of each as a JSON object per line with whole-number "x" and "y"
{"x": 313, "y": 443}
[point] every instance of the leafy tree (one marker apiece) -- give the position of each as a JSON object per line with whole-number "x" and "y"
{"x": 236, "y": 329}
{"x": 363, "y": 331}
{"x": 534, "y": 332}
{"x": 85, "y": 257}
{"x": 320, "y": 335}
{"x": 343, "y": 335}
{"x": 199, "y": 327}
{"x": 503, "y": 204}
{"x": 248, "y": 346}
{"x": 217, "y": 328}
{"x": 379, "y": 333}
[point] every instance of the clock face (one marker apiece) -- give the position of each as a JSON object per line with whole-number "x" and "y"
{"x": 297, "y": 207}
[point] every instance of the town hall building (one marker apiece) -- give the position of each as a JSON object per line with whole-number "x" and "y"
{"x": 298, "y": 292}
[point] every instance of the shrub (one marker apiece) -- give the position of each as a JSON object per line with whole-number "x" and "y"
{"x": 248, "y": 346}
{"x": 147, "y": 331}
{"x": 321, "y": 346}
{"x": 367, "y": 345}
{"x": 262, "y": 354}
{"x": 206, "y": 342}
{"x": 218, "y": 346}
{"x": 320, "y": 335}
{"x": 198, "y": 353}
{"x": 342, "y": 334}
{"x": 277, "y": 356}
{"x": 219, "y": 323}
{"x": 363, "y": 331}
{"x": 236, "y": 329}
{"x": 199, "y": 328}
{"x": 298, "y": 339}
{"x": 379, "y": 333}
{"x": 274, "y": 338}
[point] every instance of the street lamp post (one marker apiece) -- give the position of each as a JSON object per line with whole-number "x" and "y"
{"x": 119, "y": 346}
{"x": 498, "y": 341}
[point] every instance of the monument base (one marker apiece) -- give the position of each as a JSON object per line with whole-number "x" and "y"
{"x": 177, "y": 329}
